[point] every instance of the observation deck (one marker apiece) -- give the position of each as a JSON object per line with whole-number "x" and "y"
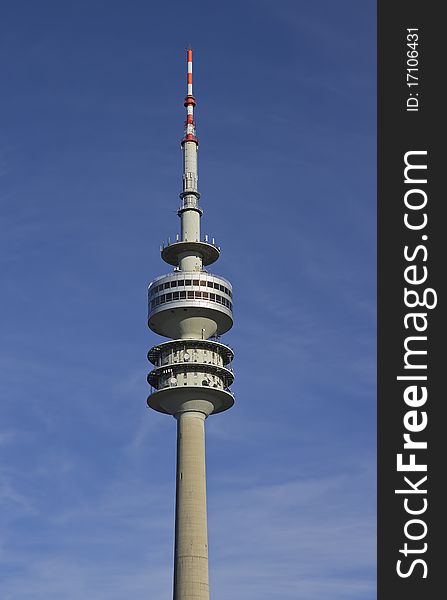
{"x": 212, "y": 351}
{"x": 182, "y": 299}
{"x": 171, "y": 252}
{"x": 190, "y": 373}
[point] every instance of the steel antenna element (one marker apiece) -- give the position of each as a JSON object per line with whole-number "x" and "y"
{"x": 190, "y": 102}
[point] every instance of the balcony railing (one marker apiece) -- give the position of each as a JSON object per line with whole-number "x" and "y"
{"x": 177, "y": 240}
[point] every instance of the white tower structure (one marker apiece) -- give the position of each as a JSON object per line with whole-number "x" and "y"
{"x": 192, "y": 371}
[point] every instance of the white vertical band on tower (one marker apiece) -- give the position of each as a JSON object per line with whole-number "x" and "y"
{"x": 189, "y": 76}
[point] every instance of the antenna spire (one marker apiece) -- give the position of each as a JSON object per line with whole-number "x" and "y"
{"x": 190, "y": 102}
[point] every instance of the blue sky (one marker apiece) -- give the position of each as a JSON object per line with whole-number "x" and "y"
{"x": 90, "y": 169}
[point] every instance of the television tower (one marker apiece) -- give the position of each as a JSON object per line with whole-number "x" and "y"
{"x": 192, "y": 371}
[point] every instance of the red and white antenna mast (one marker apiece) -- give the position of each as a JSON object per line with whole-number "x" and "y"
{"x": 190, "y": 102}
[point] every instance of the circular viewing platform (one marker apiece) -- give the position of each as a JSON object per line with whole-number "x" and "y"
{"x": 190, "y": 304}
{"x": 208, "y": 351}
{"x": 191, "y": 373}
{"x": 189, "y": 285}
{"x": 208, "y": 400}
{"x": 208, "y": 252}
{"x": 194, "y": 296}
{"x": 205, "y": 375}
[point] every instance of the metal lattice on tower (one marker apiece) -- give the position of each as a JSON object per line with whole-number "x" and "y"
{"x": 192, "y": 371}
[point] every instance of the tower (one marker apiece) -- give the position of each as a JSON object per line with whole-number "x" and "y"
{"x": 192, "y": 371}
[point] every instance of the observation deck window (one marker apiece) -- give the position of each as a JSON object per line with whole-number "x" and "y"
{"x": 196, "y": 282}
{"x": 190, "y": 295}
{"x": 174, "y": 283}
{"x": 209, "y": 284}
{"x": 187, "y": 281}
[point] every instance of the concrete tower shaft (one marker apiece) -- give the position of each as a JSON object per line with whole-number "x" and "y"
{"x": 190, "y": 174}
{"x": 192, "y": 371}
{"x": 191, "y": 531}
